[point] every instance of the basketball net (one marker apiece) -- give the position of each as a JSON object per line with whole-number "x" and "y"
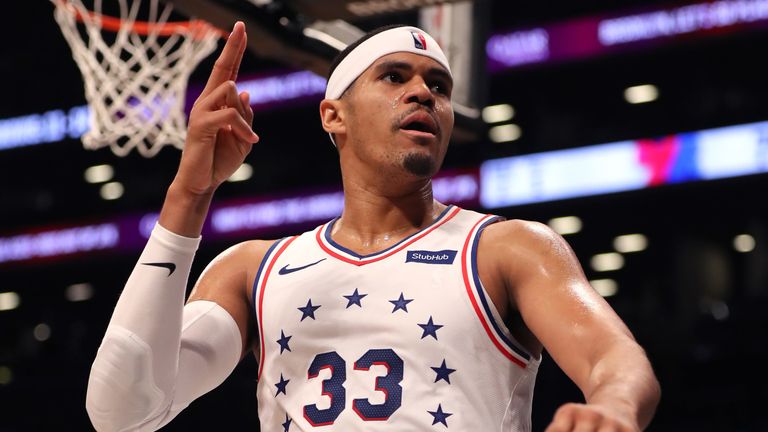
{"x": 136, "y": 85}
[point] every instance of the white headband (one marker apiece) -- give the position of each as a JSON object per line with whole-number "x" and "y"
{"x": 399, "y": 39}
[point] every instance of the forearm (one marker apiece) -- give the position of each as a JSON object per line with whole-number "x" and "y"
{"x": 152, "y": 301}
{"x": 184, "y": 211}
{"x": 139, "y": 355}
{"x": 623, "y": 380}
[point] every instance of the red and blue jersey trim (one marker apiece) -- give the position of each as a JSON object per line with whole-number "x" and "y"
{"x": 497, "y": 332}
{"x": 260, "y": 284}
{"x": 329, "y": 246}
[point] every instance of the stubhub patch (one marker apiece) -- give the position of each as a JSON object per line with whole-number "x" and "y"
{"x": 431, "y": 257}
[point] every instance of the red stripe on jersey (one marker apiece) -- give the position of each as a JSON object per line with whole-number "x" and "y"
{"x": 261, "y": 299}
{"x": 475, "y": 306}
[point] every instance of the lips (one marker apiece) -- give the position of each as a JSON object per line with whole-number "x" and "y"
{"x": 419, "y": 123}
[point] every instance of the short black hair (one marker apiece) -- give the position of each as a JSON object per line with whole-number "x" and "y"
{"x": 345, "y": 52}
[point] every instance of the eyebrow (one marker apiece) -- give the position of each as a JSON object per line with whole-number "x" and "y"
{"x": 432, "y": 71}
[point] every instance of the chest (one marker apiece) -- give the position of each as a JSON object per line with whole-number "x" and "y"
{"x": 416, "y": 293}
{"x": 393, "y": 337}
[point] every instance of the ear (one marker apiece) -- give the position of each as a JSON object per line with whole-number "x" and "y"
{"x": 332, "y": 116}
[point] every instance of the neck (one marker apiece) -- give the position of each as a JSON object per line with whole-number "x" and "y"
{"x": 375, "y": 218}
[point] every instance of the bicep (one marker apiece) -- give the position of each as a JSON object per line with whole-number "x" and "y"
{"x": 226, "y": 281}
{"x": 574, "y": 323}
{"x": 209, "y": 352}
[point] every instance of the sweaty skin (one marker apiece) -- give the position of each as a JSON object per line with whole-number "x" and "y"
{"x": 529, "y": 272}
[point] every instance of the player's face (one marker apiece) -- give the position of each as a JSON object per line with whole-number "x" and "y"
{"x": 400, "y": 113}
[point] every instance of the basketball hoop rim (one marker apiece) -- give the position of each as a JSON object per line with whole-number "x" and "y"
{"x": 145, "y": 28}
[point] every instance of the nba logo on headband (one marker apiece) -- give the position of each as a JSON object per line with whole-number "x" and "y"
{"x": 419, "y": 41}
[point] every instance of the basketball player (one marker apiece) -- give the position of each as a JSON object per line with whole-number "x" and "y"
{"x": 404, "y": 314}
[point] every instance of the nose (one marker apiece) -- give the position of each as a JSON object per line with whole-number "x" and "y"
{"x": 418, "y": 92}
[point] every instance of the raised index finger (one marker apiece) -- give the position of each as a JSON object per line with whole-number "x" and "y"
{"x": 229, "y": 60}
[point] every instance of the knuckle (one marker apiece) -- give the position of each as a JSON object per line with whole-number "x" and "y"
{"x": 568, "y": 409}
{"x": 232, "y": 114}
{"x": 591, "y": 415}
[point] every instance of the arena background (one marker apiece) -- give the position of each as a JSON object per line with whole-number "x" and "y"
{"x": 686, "y": 169}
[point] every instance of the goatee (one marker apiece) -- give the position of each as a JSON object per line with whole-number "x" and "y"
{"x": 418, "y": 164}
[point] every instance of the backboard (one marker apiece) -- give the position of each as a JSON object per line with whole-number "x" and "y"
{"x": 307, "y": 34}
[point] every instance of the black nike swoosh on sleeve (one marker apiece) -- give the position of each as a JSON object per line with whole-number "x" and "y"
{"x": 171, "y": 267}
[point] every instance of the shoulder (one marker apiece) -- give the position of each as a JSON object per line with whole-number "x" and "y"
{"x": 240, "y": 259}
{"x": 232, "y": 272}
{"x": 252, "y": 248}
{"x": 521, "y": 244}
{"x": 245, "y": 254}
{"x": 520, "y": 234}
{"x": 251, "y": 253}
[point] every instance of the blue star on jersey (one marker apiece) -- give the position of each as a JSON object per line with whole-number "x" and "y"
{"x": 354, "y": 299}
{"x": 283, "y": 341}
{"x": 308, "y": 310}
{"x": 430, "y": 329}
{"x": 443, "y": 372}
{"x": 401, "y": 303}
{"x": 282, "y": 386}
{"x": 287, "y": 424}
{"x": 440, "y": 416}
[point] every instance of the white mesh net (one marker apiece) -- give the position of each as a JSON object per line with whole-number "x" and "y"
{"x": 135, "y": 84}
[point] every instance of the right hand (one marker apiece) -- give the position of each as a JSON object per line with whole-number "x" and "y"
{"x": 219, "y": 136}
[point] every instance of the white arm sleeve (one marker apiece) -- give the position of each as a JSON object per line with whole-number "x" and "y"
{"x": 158, "y": 355}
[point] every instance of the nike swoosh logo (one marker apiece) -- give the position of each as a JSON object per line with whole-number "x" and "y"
{"x": 285, "y": 270}
{"x": 171, "y": 267}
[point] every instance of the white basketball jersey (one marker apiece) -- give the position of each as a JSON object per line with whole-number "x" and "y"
{"x": 402, "y": 340}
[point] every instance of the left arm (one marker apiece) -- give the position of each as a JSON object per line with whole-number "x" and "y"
{"x": 544, "y": 281}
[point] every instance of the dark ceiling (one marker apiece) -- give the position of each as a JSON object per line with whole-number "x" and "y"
{"x": 710, "y": 82}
